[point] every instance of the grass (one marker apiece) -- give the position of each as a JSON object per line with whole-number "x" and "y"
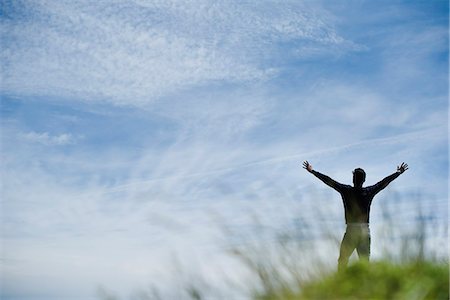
{"x": 288, "y": 266}
{"x": 408, "y": 269}
{"x": 378, "y": 280}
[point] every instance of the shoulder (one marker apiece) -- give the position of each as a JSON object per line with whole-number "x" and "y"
{"x": 369, "y": 189}
{"x": 346, "y": 186}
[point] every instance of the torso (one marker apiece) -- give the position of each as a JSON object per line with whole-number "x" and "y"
{"x": 357, "y": 203}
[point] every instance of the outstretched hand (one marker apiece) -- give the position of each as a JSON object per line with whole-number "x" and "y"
{"x": 307, "y": 166}
{"x": 402, "y": 168}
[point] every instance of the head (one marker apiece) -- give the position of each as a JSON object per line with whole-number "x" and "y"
{"x": 359, "y": 176}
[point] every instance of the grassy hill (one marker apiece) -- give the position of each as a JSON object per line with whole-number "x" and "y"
{"x": 377, "y": 280}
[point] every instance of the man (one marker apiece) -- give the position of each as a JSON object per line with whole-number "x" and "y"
{"x": 357, "y": 200}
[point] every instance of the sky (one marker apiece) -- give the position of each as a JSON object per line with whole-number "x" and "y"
{"x": 131, "y": 131}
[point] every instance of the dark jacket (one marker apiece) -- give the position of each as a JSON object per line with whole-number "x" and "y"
{"x": 356, "y": 200}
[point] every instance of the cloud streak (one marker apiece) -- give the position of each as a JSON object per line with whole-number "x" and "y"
{"x": 133, "y": 52}
{"x": 46, "y": 139}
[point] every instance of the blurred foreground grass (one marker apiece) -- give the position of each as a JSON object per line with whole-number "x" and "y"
{"x": 377, "y": 280}
{"x": 299, "y": 262}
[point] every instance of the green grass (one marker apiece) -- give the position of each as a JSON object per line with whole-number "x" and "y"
{"x": 379, "y": 280}
{"x": 289, "y": 265}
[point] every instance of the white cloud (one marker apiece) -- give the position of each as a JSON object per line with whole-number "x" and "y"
{"x": 49, "y": 140}
{"x": 132, "y": 52}
{"x": 133, "y": 229}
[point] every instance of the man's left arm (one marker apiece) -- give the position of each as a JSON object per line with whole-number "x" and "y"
{"x": 324, "y": 178}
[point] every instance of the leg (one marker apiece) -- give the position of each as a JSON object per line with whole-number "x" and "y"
{"x": 363, "y": 247}
{"x": 348, "y": 245}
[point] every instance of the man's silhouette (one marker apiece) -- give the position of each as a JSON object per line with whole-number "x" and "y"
{"x": 357, "y": 200}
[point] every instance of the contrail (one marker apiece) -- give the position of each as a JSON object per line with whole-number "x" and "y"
{"x": 388, "y": 140}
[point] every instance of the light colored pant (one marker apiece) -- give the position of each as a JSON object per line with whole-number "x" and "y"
{"x": 357, "y": 236}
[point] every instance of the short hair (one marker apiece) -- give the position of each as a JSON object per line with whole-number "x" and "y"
{"x": 359, "y": 175}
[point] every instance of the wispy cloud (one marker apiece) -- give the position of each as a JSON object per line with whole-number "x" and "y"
{"x": 133, "y": 52}
{"x": 50, "y": 140}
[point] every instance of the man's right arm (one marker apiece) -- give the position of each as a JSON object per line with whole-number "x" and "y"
{"x": 376, "y": 188}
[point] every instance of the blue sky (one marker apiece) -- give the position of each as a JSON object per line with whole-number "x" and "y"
{"x": 125, "y": 126}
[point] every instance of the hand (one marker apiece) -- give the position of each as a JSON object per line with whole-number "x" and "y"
{"x": 307, "y": 166}
{"x": 402, "y": 168}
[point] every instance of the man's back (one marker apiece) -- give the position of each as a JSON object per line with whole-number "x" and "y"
{"x": 356, "y": 203}
{"x": 357, "y": 199}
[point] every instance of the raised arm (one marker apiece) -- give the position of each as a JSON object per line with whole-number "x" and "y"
{"x": 327, "y": 180}
{"x": 385, "y": 182}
